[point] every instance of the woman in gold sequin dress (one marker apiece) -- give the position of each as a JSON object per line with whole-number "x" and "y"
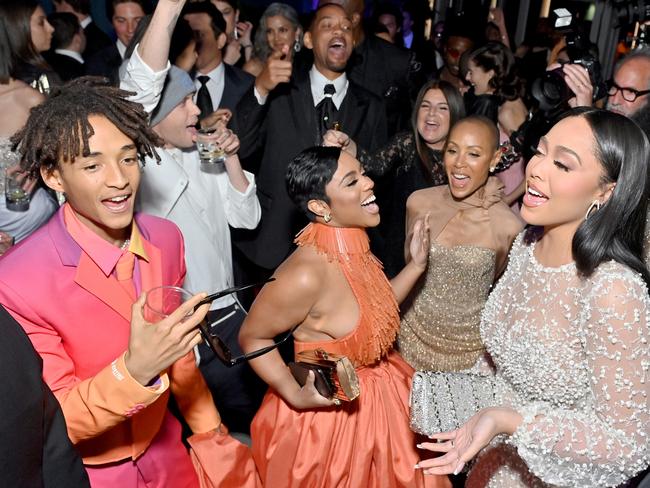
{"x": 334, "y": 288}
{"x": 568, "y": 324}
{"x": 471, "y": 232}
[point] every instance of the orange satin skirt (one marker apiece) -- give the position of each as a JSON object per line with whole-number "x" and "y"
{"x": 365, "y": 443}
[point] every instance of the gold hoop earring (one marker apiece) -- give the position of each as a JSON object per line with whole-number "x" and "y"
{"x": 595, "y": 204}
{"x": 327, "y": 218}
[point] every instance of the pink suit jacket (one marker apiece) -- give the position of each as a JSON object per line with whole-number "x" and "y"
{"x": 79, "y": 322}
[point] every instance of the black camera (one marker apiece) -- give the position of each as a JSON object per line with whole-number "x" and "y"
{"x": 551, "y": 91}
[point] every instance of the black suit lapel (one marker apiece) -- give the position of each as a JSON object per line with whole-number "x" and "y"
{"x": 352, "y": 112}
{"x": 301, "y": 107}
{"x": 229, "y": 96}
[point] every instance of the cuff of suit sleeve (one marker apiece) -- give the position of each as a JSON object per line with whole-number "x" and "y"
{"x": 260, "y": 99}
{"x": 121, "y": 373}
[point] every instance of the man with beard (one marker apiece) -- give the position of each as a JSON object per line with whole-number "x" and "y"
{"x": 289, "y": 110}
{"x": 628, "y": 95}
{"x": 630, "y": 86}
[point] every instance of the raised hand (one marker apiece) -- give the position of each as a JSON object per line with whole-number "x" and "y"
{"x": 277, "y": 69}
{"x": 420, "y": 243}
{"x": 340, "y": 139}
{"x": 155, "y": 347}
{"x": 216, "y": 119}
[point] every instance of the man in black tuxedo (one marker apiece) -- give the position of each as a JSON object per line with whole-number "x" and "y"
{"x": 218, "y": 85}
{"x": 125, "y": 16}
{"x": 68, "y": 43}
{"x": 96, "y": 39}
{"x": 287, "y": 112}
{"x": 34, "y": 447}
{"x": 389, "y": 71}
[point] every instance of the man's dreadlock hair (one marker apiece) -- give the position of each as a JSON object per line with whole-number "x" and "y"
{"x": 58, "y": 129}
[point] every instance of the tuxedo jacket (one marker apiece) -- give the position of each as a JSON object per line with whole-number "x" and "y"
{"x": 236, "y": 83}
{"x": 105, "y": 62}
{"x": 34, "y": 447}
{"x": 96, "y": 40}
{"x": 78, "y": 320}
{"x": 66, "y": 67}
{"x": 278, "y": 131}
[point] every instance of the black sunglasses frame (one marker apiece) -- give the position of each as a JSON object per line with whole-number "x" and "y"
{"x": 220, "y": 348}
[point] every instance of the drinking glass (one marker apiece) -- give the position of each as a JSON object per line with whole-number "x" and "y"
{"x": 162, "y": 301}
{"x": 16, "y": 197}
{"x": 209, "y": 151}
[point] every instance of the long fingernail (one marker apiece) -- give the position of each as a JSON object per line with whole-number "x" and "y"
{"x": 417, "y": 466}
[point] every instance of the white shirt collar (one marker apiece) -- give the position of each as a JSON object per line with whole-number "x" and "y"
{"x": 318, "y": 81}
{"x": 121, "y": 48}
{"x": 71, "y": 54}
{"x": 216, "y": 74}
{"x": 84, "y": 23}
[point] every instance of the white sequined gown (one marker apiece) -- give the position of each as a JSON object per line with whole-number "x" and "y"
{"x": 573, "y": 358}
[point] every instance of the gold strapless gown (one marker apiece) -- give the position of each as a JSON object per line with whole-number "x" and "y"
{"x": 440, "y": 324}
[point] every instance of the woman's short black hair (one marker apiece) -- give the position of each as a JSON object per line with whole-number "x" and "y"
{"x": 309, "y": 173}
{"x": 615, "y": 231}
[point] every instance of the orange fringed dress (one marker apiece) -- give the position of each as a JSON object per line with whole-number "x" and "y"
{"x": 364, "y": 443}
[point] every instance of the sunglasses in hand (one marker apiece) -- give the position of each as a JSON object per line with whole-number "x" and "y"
{"x": 218, "y": 346}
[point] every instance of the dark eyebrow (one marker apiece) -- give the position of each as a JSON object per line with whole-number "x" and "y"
{"x": 571, "y": 152}
{"x": 126, "y": 147}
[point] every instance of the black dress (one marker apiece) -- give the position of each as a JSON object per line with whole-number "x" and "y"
{"x": 397, "y": 171}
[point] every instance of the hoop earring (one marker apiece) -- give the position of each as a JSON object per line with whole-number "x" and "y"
{"x": 297, "y": 46}
{"x": 595, "y": 204}
{"x": 327, "y": 218}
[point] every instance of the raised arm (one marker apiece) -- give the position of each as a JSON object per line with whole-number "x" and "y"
{"x": 154, "y": 47}
{"x": 419, "y": 253}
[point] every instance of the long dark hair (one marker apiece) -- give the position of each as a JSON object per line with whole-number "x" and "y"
{"x": 497, "y": 57}
{"x": 456, "y": 112}
{"x": 16, "y": 45}
{"x": 616, "y": 230}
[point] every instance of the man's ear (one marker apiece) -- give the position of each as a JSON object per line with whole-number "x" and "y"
{"x": 306, "y": 40}
{"x": 318, "y": 207}
{"x": 222, "y": 39}
{"x": 52, "y": 178}
{"x": 355, "y": 18}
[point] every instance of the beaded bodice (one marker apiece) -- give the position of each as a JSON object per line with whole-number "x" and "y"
{"x": 440, "y": 329}
{"x": 573, "y": 358}
{"x": 376, "y": 328}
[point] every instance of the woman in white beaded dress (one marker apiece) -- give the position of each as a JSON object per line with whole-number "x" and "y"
{"x": 568, "y": 323}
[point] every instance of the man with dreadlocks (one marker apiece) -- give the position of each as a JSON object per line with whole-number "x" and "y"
{"x": 73, "y": 286}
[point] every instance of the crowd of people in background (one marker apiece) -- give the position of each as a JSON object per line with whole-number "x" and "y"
{"x": 361, "y": 185}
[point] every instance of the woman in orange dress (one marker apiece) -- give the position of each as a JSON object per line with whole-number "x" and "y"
{"x": 334, "y": 290}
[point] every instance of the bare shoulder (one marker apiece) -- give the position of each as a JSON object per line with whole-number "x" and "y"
{"x": 302, "y": 273}
{"x": 30, "y": 97}
{"x": 422, "y": 199}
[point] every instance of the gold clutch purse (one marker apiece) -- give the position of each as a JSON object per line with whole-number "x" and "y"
{"x": 335, "y": 377}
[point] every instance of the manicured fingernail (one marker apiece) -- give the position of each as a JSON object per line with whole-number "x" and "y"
{"x": 456, "y": 471}
{"x": 419, "y": 446}
{"x": 417, "y": 466}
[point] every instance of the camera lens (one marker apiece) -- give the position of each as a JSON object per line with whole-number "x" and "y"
{"x": 550, "y": 90}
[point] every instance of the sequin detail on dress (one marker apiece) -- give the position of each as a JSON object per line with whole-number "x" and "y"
{"x": 573, "y": 358}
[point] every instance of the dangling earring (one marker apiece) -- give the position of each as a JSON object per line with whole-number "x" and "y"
{"x": 297, "y": 46}
{"x": 595, "y": 204}
{"x": 327, "y": 217}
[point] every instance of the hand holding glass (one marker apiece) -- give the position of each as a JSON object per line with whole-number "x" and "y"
{"x": 210, "y": 152}
{"x": 165, "y": 299}
{"x": 17, "y": 189}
